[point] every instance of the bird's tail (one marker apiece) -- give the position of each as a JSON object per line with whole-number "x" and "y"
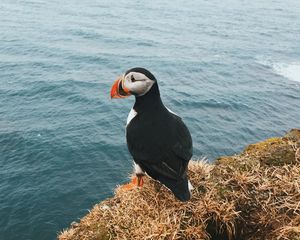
{"x": 180, "y": 188}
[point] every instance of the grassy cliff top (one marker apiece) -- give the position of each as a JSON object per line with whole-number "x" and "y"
{"x": 252, "y": 195}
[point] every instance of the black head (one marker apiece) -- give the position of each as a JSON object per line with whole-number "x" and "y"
{"x": 143, "y": 71}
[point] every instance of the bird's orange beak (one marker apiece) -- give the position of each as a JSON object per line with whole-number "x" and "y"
{"x": 118, "y": 90}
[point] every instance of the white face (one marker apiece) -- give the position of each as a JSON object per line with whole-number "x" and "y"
{"x": 137, "y": 83}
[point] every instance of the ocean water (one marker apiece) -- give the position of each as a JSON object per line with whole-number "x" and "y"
{"x": 230, "y": 68}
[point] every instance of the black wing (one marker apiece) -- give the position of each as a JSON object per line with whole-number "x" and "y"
{"x": 161, "y": 145}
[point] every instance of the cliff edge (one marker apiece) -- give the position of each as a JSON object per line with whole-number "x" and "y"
{"x": 252, "y": 195}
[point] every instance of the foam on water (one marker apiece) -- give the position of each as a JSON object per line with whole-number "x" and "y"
{"x": 290, "y": 71}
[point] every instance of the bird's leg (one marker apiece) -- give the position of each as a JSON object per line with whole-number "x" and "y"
{"x": 140, "y": 181}
{"x": 139, "y": 173}
{"x": 137, "y": 180}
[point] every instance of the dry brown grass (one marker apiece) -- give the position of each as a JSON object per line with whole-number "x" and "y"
{"x": 245, "y": 196}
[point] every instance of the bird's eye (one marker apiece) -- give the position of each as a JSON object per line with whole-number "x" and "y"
{"x": 132, "y": 78}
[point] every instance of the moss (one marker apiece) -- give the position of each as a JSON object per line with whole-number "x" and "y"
{"x": 223, "y": 191}
{"x": 293, "y": 135}
{"x": 272, "y": 152}
{"x": 225, "y": 160}
{"x": 262, "y": 146}
{"x": 244, "y": 164}
{"x": 86, "y": 229}
{"x": 100, "y": 232}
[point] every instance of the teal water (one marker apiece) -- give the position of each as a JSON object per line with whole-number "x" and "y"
{"x": 230, "y": 68}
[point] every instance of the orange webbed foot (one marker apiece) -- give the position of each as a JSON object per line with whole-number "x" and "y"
{"x": 136, "y": 181}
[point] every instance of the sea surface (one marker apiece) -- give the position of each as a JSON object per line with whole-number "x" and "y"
{"x": 230, "y": 69}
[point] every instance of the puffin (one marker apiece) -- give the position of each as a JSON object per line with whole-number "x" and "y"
{"x": 157, "y": 138}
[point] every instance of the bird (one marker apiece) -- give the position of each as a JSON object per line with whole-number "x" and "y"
{"x": 157, "y": 138}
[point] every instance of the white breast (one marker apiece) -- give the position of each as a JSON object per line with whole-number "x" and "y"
{"x": 131, "y": 115}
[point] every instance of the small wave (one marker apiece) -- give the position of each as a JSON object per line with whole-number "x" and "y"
{"x": 290, "y": 71}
